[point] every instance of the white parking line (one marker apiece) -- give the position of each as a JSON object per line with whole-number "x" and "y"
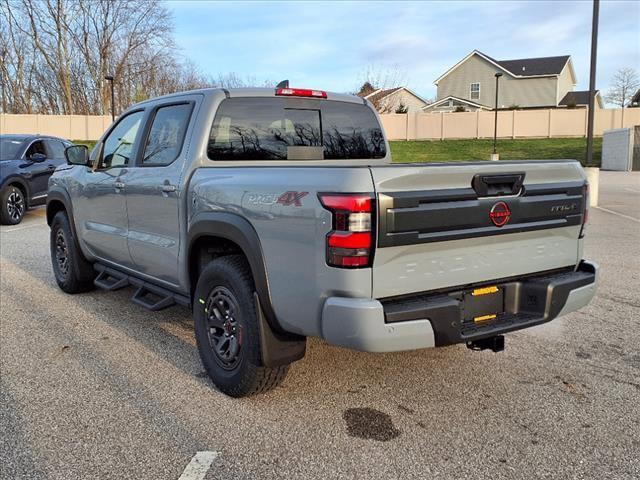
{"x": 618, "y": 214}
{"x": 198, "y": 466}
{"x": 23, "y": 227}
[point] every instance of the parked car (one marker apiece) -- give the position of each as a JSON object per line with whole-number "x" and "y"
{"x": 276, "y": 215}
{"x": 26, "y": 163}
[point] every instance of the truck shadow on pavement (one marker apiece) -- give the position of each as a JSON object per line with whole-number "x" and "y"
{"x": 325, "y": 370}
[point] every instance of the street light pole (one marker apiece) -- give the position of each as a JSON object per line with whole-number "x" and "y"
{"x": 4, "y": 101}
{"x": 592, "y": 80}
{"x": 109, "y": 78}
{"x": 495, "y": 121}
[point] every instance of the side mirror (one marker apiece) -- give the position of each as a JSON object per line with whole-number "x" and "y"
{"x": 37, "y": 158}
{"x": 77, "y": 155}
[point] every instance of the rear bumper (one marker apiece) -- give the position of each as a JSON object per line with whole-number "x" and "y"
{"x": 423, "y": 321}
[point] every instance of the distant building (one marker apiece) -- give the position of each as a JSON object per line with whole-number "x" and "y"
{"x": 526, "y": 83}
{"x": 390, "y": 100}
{"x": 454, "y": 104}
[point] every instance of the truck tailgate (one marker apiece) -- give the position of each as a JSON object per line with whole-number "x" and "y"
{"x": 449, "y": 225}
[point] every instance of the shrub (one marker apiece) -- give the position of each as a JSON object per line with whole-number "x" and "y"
{"x": 402, "y": 108}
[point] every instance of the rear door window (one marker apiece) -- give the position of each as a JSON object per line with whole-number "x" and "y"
{"x": 56, "y": 148}
{"x": 270, "y": 129}
{"x": 166, "y": 134}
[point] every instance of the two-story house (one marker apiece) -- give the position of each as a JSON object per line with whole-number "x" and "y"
{"x": 546, "y": 82}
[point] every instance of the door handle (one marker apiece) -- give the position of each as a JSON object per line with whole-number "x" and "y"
{"x": 119, "y": 185}
{"x": 51, "y": 167}
{"x": 169, "y": 188}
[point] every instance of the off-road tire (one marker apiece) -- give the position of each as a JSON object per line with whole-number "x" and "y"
{"x": 13, "y": 207}
{"x": 75, "y": 274}
{"x": 231, "y": 277}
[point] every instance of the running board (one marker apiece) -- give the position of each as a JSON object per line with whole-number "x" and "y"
{"x": 109, "y": 279}
{"x": 152, "y": 298}
{"x": 147, "y": 295}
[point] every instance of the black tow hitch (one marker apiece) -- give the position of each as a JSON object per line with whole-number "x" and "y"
{"x": 495, "y": 344}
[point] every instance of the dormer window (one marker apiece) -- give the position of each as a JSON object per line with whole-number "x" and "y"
{"x": 475, "y": 91}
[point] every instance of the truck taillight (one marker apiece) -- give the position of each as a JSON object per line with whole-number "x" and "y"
{"x": 350, "y": 243}
{"x": 300, "y": 92}
{"x": 585, "y": 212}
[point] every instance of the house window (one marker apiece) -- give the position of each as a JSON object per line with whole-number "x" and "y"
{"x": 475, "y": 91}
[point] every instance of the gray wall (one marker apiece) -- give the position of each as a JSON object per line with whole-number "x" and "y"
{"x": 617, "y": 148}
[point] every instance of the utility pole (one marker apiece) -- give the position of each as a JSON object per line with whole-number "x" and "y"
{"x": 495, "y": 156}
{"x": 592, "y": 80}
{"x": 4, "y": 100}
{"x": 109, "y": 78}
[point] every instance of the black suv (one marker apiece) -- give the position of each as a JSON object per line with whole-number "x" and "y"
{"x": 26, "y": 163}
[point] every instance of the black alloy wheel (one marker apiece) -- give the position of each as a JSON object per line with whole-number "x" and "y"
{"x": 62, "y": 254}
{"x": 224, "y": 329}
{"x": 74, "y": 274}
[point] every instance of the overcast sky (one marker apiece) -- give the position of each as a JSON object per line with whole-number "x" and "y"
{"x": 327, "y": 45}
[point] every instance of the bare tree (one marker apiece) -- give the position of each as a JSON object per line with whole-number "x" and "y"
{"x": 624, "y": 84}
{"x": 56, "y": 53}
{"x": 41, "y": 26}
{"x": 129, "y": 40}
{"x": 18, "y": 64}
{"x": 375, "y": 77}
{"x": 233, "y": 80}
{"x": 380, "y": 77}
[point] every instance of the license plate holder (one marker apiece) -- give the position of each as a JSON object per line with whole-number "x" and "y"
{"x": 482, "y": 304}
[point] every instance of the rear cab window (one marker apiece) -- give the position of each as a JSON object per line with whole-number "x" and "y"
{"x": 265, "y": 128}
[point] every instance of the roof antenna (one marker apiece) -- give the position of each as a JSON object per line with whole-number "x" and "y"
{"x": 283, "y": 84}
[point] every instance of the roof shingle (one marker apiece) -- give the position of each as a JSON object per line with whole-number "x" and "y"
{"x": 580, "y": 97}
{"x": 525, "y": 67}
{"x": 376, "y": 96}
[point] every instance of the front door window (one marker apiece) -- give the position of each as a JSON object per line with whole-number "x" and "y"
{"x": 118, "y": 146}
{"x": 36, "y": 147}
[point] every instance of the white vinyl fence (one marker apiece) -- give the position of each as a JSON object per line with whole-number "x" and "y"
{"x": 550, "y": 123}
{"x": 406, "y": 126}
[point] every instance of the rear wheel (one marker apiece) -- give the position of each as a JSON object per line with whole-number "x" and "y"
{"x": 74, "y": 274}
{"x": 227, "y": 331}
{"x": 13, "y": 205}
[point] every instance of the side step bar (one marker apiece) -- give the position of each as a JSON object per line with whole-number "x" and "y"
{"x": 110, "y": 280}
{"x": 147, "y": 295}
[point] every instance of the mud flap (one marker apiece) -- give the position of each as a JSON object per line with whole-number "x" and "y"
{"x": 277, "y": 349}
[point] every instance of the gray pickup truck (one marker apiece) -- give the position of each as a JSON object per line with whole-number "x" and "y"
{"x": 276, "y": 215}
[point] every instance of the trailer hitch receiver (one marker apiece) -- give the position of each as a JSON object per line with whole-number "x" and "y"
{"x": 495, "y": 344}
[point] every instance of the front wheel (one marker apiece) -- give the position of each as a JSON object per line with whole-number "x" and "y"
{"x": 13, "y": 205}
{"x": 74, "y": 274}
{"x": 227, "y": 331}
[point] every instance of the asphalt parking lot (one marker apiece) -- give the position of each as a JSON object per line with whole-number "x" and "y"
{"x": 93, "y": 386}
